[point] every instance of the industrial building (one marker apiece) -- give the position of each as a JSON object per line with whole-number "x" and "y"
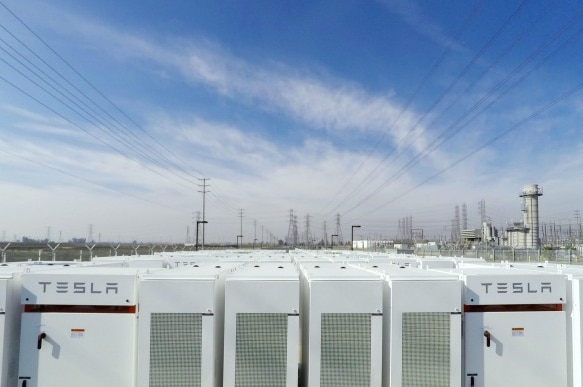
{"x": 525, "y": 234}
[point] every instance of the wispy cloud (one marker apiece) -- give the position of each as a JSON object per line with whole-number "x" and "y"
{"x": 425, "y": 26}
{"x": 324, "y": 103}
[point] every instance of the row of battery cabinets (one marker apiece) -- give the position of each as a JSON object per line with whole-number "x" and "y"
{"x": 96, "y": 337}
{"x": 358, "y": 330}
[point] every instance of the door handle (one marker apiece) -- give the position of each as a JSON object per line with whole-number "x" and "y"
{"x": 472, "y": 382}
{"x": 39, "y": 342}
{"x": 487, "y": 335}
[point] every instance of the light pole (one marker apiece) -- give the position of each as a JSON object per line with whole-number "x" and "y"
{"x": 332, "y": 240}
{"x": 197, "y": 223}
{"x": 352, "y": 241}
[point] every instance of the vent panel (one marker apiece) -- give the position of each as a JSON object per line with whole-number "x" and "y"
{"x": 426, "y": 349}
{"x": 261, "y": 350}
{"x": 175, "y": 349}
{"x": 345, "y": 350}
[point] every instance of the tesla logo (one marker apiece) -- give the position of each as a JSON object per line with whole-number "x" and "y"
{"x": 79, "y": 287}
{"x": 517, "y": 287}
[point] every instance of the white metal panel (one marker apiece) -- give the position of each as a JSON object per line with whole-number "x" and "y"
{"x": 575, "y": 333}
{"x": 422, "y": 295}
{"x": 81, "y": 286}
{"x": 515, "y": 287}
{"x": 10, "y": 314}
{"x": 92, "y": 350}
{"x": 526, "y": 349}
{"x": 348, "y": 294}
{"x": 180, "y": 292}
{"x": 267, "y": 294}
{"x": 293, "y": 350}
{"x": 176, "y": 297}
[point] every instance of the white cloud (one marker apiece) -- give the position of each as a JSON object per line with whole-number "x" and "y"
{"x": 413, "y": 15}
{"x": 334, "y": 105}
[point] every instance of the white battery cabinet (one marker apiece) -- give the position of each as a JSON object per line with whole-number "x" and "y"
{"x": 394, "y": 259}
{"x": 422, "y": 327}
{"x": 262, "y": 331}
{"x": 137, "y": 261}
{"x": 10, "y": 313}
{"x": 341, "y": 319}
{"x": 180, "y": 326}
{"x": 78, "y": 328}
{"x": 514, "y": 328}
{"x": 436, "y": 263}
{"x": 574, "y": 311}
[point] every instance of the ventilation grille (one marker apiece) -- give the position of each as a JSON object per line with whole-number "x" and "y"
{"x": 175, "y": 349}
{"x": 345, "y": 352}
{"x": 261, "y": 350}
{"x": 426, "y": 351}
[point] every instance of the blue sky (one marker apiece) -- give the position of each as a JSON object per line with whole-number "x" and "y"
{"x": 372, "y": 109}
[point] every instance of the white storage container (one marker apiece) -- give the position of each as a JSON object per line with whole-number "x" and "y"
{"x": 422, "y": 335}
{"x": 78, "y": 327}
{"x": 514, "y": 328}
{"x": 262, "y": 333}
{"x": 341, "y": 315}
{"x": 180, "y": 326}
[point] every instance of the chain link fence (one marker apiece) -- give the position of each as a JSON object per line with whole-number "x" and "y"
{"x": 567, "y": 256}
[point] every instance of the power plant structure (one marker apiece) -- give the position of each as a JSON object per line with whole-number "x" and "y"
{"x": 525, "y": 234}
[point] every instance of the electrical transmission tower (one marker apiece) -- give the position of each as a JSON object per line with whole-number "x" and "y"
{"x": 295, "y": 231}
{"x": 464, "y": 216}
{"x": 339, "y": 230}
{"x": 290, "y": 231}
{"x": 241, "y": 235}
{"x": 482, "y": 211}
{"x": 405, "y": 230}
{"x": 456, "y": 230}
{"x": 308, "y": 233}
{"x": 204, "y": 191}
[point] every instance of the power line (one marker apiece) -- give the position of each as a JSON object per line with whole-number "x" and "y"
{"x": 449, "y": 132}
{"x": 63, "y": 172}
{"x": 410, "y": 100}
{"x": 204, "y": 191}
{"x": 488, "y": 143}
{"x": 89, "y": 83}
{"x": 412, "y": 130}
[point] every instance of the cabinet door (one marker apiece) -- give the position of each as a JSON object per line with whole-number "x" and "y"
{"x": 509, "y": 349}
{"x": 77, "y": 349}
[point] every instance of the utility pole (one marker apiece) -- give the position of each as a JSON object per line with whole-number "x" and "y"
{"x": 255, "y": 232}
{"x": 578, "y": 224}
{"x": 290, "y": 230}
{"x": 308, "y": 233}
{"x": 204, "y": 191}
{"x": 241, "y": 234}
{"x": 339, "y": 238}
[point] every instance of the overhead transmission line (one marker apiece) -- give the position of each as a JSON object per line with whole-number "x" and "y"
{"x": 492, "y": 140}
{"x": 81, "y": 108}
{"x": 93, "y": 87}
{"x": 412, "y": 130}
{"x": 446, "y": 50}
{"x": 92, "y": 111}
{"x": 447, "y": 134}
{"x": 82, "y": 129}
{"x": 84, "y": 179}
